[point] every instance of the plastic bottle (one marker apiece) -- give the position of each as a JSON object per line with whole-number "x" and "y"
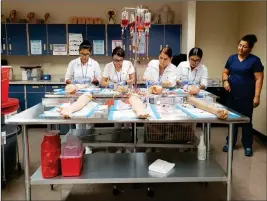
{"x": 201, "y": 149}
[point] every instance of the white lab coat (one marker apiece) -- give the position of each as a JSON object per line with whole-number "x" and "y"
{"x": 152, "y": 73}
{"x": 77, "y": 71}
{"x": 199, "y": 75}
{"x": 126, "y": 70}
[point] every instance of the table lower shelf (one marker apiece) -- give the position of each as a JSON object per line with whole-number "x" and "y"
{"x": 133, "y": 168}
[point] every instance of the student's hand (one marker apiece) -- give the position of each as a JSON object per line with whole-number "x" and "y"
{"x": 111, "y": 85}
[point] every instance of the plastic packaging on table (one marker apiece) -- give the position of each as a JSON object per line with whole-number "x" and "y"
{"x": 72, "y": 157}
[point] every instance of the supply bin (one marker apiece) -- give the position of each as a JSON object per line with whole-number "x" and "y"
{"x": 72, "y": 157}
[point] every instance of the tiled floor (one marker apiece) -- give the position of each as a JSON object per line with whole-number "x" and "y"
{"x": 249, "y": 179}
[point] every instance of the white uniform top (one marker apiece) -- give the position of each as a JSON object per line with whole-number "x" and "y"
{"x": 114, "y": 76}
{"x": 152, "y": 73}
{"x": 77, "y": 71}
{"x": 199, "y": 75}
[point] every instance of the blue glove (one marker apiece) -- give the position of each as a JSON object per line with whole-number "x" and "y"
{"x": 122, "y": 83}
{"x": 184, "y": 83}
{"x": 111, "y": 85}
{"x": 150, "y": 83}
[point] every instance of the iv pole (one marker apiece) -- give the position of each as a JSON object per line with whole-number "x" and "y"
{"x": 136, "y": 39}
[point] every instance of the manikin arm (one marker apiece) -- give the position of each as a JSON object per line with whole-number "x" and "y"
{"x": 82, "y": 101}
{"x": 72, "y": 88}
{"x": 219, "y": 112}
{"x": 155, "y": 89}
{"x": 138, "y": 106}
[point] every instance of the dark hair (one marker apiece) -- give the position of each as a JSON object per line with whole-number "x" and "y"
{"x": 167, "y": 51}
{"x": 118, "y": 51}
{"x": 85, "y": 45}
{"x": 196, "y": 52}
{"x": 251, "y": 39}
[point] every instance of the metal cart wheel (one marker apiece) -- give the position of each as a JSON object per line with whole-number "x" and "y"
{"x": 150, "y": 192}
{"x": 116, "y": 191}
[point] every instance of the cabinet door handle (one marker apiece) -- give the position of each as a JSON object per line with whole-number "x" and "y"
{"x": 44, "y": 46}
{"x": 51, "y": 47}
{"x": 4, "y": 47}
{"x": 160, "y": 47}
{"x": 124, "y": 47}
{"x": 166, "y": 45}
{"x": 54, "y": 87}
{"x": 35, "y": 87}
{"x": 10, "y": 47}
{"x": 130, "y": 47}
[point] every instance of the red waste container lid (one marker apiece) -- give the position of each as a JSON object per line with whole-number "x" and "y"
{"x": 11, "y": 102}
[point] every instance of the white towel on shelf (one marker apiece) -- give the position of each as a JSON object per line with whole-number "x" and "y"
{"x": 161, "y": 166}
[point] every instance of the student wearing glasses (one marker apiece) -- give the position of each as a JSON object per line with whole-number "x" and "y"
{"x": 118, "y": 71}
{"x": 83, "y": 70}
{"x": 193, "y": 72}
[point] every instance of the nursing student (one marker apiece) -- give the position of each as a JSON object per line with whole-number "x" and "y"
{"x": 161, "y": 69}
{"x": 243, "y": 79}
{"x": 120, "y": 72}
{"x": 193, "y": 72}
{"x": 83, "y": 69}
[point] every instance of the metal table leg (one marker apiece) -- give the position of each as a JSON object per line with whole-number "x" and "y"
{"x": 208, "y": 138}
{"x": 135, "y": 136}
{"x": 229, "y": 163}
{"x": 25, "y": 143}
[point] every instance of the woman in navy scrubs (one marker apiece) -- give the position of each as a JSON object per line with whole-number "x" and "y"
{"x": 242, "y": 79}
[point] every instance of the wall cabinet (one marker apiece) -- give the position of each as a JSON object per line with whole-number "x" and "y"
{"x": 56, "y": 35}
{"x": 38, "y": 32}
{"x": 3, "y": 40}
{"x": 16, "y": 38}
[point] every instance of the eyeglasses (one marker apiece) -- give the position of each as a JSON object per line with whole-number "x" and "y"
{"x": 118, "y": 60}
{"x": 195, "y": 61}
{"x": 85, "y": 55}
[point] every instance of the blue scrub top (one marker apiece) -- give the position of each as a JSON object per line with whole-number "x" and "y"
{"x": 241, "y": 76}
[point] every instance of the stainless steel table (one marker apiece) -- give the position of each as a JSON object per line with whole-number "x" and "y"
{"x": 128, "y": 168}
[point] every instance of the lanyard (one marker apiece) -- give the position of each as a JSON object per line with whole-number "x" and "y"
{"x": 119, "y": 80}
{"x": 195, "y": 74}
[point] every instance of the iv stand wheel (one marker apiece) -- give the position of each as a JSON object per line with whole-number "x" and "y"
{"x": 116, "y": 191}
{"x": 150, "y": 192}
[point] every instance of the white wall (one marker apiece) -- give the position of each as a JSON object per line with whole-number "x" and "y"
{"x": 254, "y": 21}
{"x": 217, "y": 33}
{"x": 188, "y": 26}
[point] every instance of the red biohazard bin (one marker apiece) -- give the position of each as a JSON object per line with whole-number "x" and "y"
{"x": 72, "y": 157}
{"x": 4, "y": 83}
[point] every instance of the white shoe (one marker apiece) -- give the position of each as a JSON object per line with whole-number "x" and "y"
{"x": 88, "y": 150}
{"x": 119, "y": 151}
{"x": 128, "y": 150}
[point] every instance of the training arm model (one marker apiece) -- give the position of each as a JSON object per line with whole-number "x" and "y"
{"x": 203, "y": 105}
{"x": 82, "y": 101}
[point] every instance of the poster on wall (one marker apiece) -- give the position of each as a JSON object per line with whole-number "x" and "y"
{"x": 59, "y": 49}
{"x": 36, "y": 47}
{"x": 99, "y": 47}
{"x": 116, "y": 43}
{"x": 74, "y": 42}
